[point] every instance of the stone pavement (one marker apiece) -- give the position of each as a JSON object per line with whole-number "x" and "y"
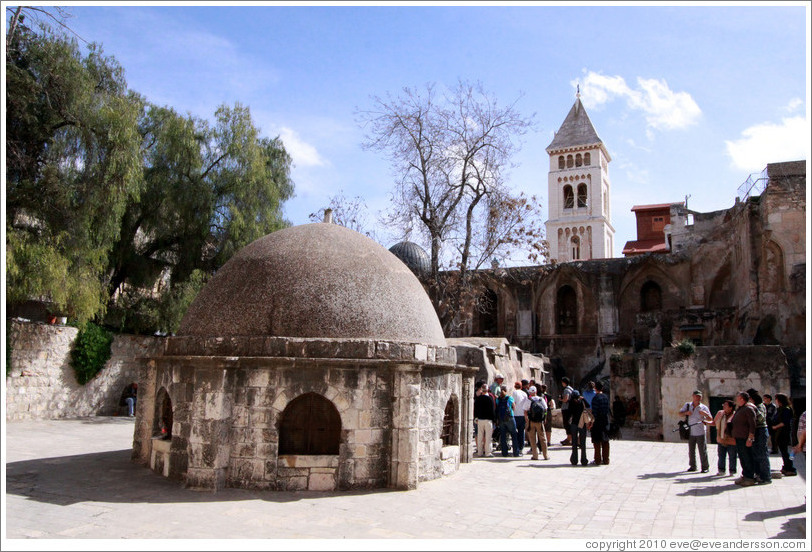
{"x": 75, "y": 479}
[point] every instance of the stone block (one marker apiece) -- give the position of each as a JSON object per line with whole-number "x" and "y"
{"x": 421, "y": 352}
{"x": 293, "y": 484}
{"x": 258, "y": 378}
{"x": 321, "y": 482}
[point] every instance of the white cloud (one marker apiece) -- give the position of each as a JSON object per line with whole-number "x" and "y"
{"x": 769, "y": 143}
{"x": 664, "y": 108}
{"x": 794, "y": 104}
{"x": 303, "y": 154}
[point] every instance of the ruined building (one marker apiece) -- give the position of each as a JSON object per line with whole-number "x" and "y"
{"x": 732, "y": 281}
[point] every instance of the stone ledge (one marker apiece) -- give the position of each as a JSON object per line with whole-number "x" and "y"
{"x": 281, "y": 347}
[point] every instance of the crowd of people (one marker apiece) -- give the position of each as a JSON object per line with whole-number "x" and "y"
{"x": 748, "y": 428}
{"x": 521, "y": 417}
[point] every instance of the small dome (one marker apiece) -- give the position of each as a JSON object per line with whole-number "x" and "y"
{"x": 316, "y": 280}
{"x": 413, "y": 256}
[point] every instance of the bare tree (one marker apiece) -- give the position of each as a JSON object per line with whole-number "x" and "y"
{"x": 348, "y": 212}
{"x": 451, "y": 152}
{"x": 18, "y": 15}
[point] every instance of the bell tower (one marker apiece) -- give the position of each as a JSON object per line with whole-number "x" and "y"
{"x": 579, "y": 223}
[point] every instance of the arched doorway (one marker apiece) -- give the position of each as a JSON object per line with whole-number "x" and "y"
{"x": 310, "y": 425}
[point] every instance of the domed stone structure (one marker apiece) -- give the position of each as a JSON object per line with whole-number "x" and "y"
{"x": 413, "y": 256}
{"x": 312, "y": 360}
{"x": 317, "y": 280}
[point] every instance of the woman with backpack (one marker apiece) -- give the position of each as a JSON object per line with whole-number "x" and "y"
{"x": 507, "y": 423}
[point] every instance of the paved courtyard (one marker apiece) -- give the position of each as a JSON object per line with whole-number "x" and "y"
{"x": 74, "y": 479}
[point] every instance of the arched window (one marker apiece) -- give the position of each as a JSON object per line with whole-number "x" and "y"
{"x": 578, "y": 160}
{"x": 449, "y": 433}
{"x": 587, "y": 159}
{"x": 488, "y": 309}
{"x": 567, "y": 310}
{"x": 576, "y": 248}
{"x": 309, "y": 425}
{"x": 569, "y": 200}
{"x": 569, "y": 161}
{"x": 561, "y": 162}
{"x": 163, "y": 415}
{"x": 581, "y": 195}
{"x": 651, "y": 297}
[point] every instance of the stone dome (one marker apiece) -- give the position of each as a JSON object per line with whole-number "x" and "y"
{"x": 315, "y": 281}
{"x": 413, "y": 256}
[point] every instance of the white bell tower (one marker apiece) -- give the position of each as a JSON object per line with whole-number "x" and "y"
{"x": 579, "y": 223}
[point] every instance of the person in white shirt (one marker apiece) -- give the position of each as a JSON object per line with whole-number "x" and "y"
{"x": 519, "y": 403}
{"x": 698, "y": 415}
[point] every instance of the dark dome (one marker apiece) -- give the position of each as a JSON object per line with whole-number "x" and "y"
{"x": 315, "y": 280}
{"x": 412, "y": 256}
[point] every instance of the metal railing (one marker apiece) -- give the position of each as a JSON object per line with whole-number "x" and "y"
{"x": 755, "y": 184}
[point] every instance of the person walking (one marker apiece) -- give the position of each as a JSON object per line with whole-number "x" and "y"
{"x": 535, "y": 414}
{"x": 599, "y": 428}
{"x": 507, "y": 422}
{"x": 697, "y": 414}
{"x": 772, "y": 410}
{"x": 744, "y": 428}
{"x": 761, "y": 444}
{"x": 485, "y": 416}
{"x": 519, "y": 403}
{"x": 566, "y": 415}
{"x": 726, "y": 444}
{"x": 548, "y": 421}
{"x": 577, "y": 431}
{"x": 782, "y": 428}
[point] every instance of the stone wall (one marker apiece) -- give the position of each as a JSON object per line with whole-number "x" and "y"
{"x": 436, "y": 389}
{"x": 718, "y": 372}
{"x": 42, "y": 384}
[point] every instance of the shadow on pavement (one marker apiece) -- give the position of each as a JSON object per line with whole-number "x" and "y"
{"x": 113, "y": 477}
{"x": 761, "y": 516}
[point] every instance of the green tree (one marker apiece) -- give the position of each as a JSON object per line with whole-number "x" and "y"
{"x": 72, "y": 165}
{"x": 208, "y": 190}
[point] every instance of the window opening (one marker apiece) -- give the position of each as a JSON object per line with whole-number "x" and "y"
{"x": 569, "y": 199}
{"x": 581, "y": 195}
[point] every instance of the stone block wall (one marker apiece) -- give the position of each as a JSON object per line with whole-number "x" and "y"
{"x": 42, "y": 384}
{"x": 718, "y": 372}
{"x": 436, "y": 389}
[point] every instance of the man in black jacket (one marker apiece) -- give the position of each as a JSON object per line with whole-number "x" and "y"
{"x": 484, "y": 416}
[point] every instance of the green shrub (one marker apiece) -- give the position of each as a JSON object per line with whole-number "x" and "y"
{"x": 91, "y": 350}
{"x": 686, "y": 347}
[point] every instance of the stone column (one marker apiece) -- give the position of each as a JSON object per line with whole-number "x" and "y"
{"x": 466, "y": 416}
{"x": 145, "y": 411}
{"x": 403, "y": 466}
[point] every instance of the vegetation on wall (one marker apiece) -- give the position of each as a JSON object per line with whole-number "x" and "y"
{"x": 686, "y": 347}
{"x": 91, "y": 350}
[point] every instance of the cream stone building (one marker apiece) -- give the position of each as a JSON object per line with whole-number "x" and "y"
{"x": 579, "y": 191}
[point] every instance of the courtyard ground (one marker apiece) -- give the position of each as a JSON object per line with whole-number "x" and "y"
{"x": 73, "y": 479}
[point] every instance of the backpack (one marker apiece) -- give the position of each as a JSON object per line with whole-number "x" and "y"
{"x": 537, "y": 412}
{"x": 503, "y": 410}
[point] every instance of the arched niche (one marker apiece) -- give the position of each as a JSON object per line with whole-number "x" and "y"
{"x": 651, "y": 297}
{"x": 450, "y": 434}
{"x": 566, "y": 308}
{"x": 309, "y": 425}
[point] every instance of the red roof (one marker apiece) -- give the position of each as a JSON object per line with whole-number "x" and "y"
{"x": 656, "y": 206}
{"x": 638, "y": 247}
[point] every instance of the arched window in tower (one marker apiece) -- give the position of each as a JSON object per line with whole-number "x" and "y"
{"x": 651, "y": 297}
{"x": 569, "y": 161}
{"x": 569, "y": 198}
{"x": 579, "y": 160}
{"x": 309, "y": 425}
{"x": 587, "y": 159}
{"x": 567, "y": 310}
{"x": 561, "y": 162}
{"x": 576, "y": 248}
{"x": 581, "y": 195}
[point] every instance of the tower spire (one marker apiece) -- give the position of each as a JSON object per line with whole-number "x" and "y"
{"x": 578, "y": 91}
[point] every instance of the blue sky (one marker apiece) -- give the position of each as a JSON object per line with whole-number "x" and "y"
{"x": 689, "y": 100}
